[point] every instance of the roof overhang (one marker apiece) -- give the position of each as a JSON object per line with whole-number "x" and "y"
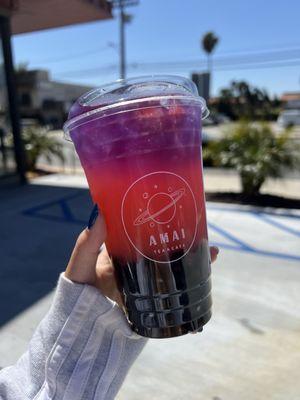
{"x": 34, "y": 15}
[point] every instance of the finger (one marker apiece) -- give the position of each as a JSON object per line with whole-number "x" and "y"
{"x": 82, "y": 264}
{"x": 214, "y": 251}
{"x": 107, "y": 279}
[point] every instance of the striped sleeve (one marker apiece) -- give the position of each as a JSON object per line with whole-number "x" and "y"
{"x": 82, "y": 349}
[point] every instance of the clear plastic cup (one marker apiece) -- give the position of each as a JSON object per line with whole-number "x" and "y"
{"x": 139, "y": 142}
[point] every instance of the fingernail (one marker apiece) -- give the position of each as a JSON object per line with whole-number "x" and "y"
{"x": 93, "y": 216}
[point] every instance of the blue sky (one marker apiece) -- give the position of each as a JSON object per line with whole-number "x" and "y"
{"x": 169, "y": 31}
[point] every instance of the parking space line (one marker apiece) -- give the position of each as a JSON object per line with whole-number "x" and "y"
{"x": 258, "y": 252}
{"x": 40, "y": 211}
{"x": 277, "y": 224}
{"x": 229, "y": 236}
{"x": 243, "y": 247}
{"x": 242, "y": 211}
{"x": 67, "y": 214}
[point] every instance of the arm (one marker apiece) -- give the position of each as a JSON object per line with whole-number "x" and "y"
{"x": 84, "y": 346}
{"x": 82, "y": 349}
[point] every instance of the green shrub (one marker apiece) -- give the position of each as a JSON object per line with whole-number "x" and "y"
{"x": 38, "y": 143}
{"x": 256, "y": 152}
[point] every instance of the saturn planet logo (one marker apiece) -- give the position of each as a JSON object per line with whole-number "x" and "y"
{"x": 159, "y": 216}
{"x": 160, "y": 199}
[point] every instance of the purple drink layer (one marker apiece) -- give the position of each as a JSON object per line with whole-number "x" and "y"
{"x": 146, "y": 163}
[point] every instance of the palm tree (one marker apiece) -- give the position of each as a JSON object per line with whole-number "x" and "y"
{"x": 209, "y": 42}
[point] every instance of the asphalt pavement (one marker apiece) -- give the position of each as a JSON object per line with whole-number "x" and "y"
{"x": 250, "y": 350}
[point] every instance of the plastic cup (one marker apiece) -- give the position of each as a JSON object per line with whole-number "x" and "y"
{"x": 139, "y": 142}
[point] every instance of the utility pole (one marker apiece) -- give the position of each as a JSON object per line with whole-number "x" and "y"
{"x": 20, "y": 157}
{"x": 123, "y": 19}
{"x": 122, "y": 41}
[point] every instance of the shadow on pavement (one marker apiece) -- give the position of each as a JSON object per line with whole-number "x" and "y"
{"x": 39, "y": 225}
{"x": 259, "y": 200}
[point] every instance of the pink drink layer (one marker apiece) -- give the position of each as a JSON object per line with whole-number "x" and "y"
{"x": 144, "y": 168}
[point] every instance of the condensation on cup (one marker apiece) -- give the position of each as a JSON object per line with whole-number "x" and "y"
{"x": 139, "y": 142}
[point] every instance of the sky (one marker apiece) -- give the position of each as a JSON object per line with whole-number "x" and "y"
{"x": 258, "y": 42}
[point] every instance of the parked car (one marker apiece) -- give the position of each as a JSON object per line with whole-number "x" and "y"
{"x": 215, "y": 119}
{"x": 209, "y": 121}
{"x": 289, "y": 118}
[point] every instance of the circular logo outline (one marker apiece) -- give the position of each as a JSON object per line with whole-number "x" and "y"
{"x": 196, "y": 213}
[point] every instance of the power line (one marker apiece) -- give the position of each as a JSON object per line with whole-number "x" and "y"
{"x": 230, "y": 67}
{"x": 262, "y": 60}
{"x": 114, "y": 68}
{"x": 72, "y": 56}
{"x": 286, "y": 46}
{"x": 242, "y": 52}
{"x": 263, "y": 66}
{"x": 266, "y": 57}
{"x": 235, "y": 67}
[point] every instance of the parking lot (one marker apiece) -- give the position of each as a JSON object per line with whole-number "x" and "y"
{"x": 250, "y": 350}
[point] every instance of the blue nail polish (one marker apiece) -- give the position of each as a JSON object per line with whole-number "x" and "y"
{"x": 93, "y": 216}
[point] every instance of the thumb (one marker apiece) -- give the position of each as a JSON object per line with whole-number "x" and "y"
{"x": 82, "y": 265}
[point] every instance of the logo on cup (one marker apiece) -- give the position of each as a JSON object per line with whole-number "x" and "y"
{"x": 159, "y": 216}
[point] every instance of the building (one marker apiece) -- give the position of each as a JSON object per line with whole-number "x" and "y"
{"x": 44, "y": 100}
{"x": 291, "y": 100}
{"x": 22, "y": 16}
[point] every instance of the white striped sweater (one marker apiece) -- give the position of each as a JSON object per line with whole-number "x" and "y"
{"x": 81, "y": 350}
